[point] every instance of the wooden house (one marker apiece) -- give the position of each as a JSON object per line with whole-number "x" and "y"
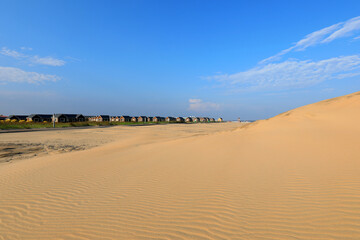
{"x": 203, "y": 119}
{"x": 100, "y": 118}
{"x": 220, "y": 120}
{"x": 125, "y": 119}
{"x": 2, "y": 117}
{"x": 142, "y": 119}
{"x": 212, "y": 120}
{"x": 78, "y": 117}
{"x": 170, "y": 119}
{"x": 103, "y": 118}
{"x": 92, "y": 118}
{"x": 180, "y": 119}
{"x": 89, "y": 118}
{"x": 150, "y": 119}
{"x": 17, "y": 117}
{"x": 188, "y": 119}
{"x": 60, "y": 117}
{"x": 158, "y": 119}
{"x": 134, "y": 119}
{"x": 40, "y": 118}
{"x": 115, "y": 118}
{"x": 196, "y": 119}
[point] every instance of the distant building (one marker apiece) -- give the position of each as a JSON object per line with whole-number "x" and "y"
{"x": 195, "y": 119}
{"x": 158, "y": 119}
{"x": 100, "y": 118}
{"x": 87, "y": 118}
{"x": 150, "y": 119}
{"x": 170, "y": 119}
{"x": 40, "y": 117}
{"x": 17, "y": 117}
{"x": 204, "y": 119}
{"x": 103, "y": 118}
{"x": 212, "y": 120}
{"x": 91, "y": 118}
{"x": 60, "y": 117}
{"x": 2, "y": 117}
{"x": 125, "y": 119}
{"x": 115, "y": 118}
{"x": 134, "y": 119}
{"x": 188, "y": 119}
{"x": 142, "y": 119}
{"x": 180, "y": 119}
{"x": 220, "y": 120}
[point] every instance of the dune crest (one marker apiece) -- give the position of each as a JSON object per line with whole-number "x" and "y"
{"x": 294, "y": 176}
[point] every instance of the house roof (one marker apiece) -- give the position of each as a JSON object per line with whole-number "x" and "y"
{"x": 68, "y": 115}
{"x": 18, "y": 116}
{"x": 40, "y": 115}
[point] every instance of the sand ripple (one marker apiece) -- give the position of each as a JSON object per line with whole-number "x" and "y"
{"x": 279, "y": 179}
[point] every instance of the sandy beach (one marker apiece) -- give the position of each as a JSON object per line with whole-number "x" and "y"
{"x": 294, "y": 176}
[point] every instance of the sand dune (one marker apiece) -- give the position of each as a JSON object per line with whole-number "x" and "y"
{"x": 294, "y": 176}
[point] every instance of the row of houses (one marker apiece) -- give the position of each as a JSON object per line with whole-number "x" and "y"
{"x": 103, "y": 118}
{"x": 60, "y": 117}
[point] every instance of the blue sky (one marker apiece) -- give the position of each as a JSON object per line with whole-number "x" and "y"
{"x": 248, "y": 59}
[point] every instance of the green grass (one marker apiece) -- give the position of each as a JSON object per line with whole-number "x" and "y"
{"x": 30, "y": 125}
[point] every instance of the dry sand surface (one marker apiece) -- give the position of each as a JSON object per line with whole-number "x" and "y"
{"x": 24, "y": 145}
{"x": 295, "y": 176}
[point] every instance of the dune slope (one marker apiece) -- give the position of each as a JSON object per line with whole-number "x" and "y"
{"x": 294, "y": 176}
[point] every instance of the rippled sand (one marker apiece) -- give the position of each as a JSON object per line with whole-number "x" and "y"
{"x": 295, "y": 176}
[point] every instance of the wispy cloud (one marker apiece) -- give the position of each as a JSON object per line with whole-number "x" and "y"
{"x": 50, "y": 61}
{"x": 11, "y": 74}
{"x": 198, "y": 105}
{"x": 26, "y": 48}
{"x": 47, "y": 61}
{"x": 347, "y": 29}
{"x": 11, "y": 53}
{"x": 293, "y": 73}
{"x": 325, "y": 35}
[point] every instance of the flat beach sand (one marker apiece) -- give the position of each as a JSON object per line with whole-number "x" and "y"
{"x": 293, "y": 176}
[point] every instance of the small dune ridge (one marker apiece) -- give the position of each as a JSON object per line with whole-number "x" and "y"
{"x": 294, "y": 176}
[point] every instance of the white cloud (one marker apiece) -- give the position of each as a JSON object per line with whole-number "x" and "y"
{"x": 11, "y": 53}
{"x": 26, "y": 48}
{"x": 47, "y": 61}
{"x": 325, "y": 35}
{"x": 346, "y": 29}
{"x": 315, "y": 37}
{"x": 358, "y": 37}
{"x": 198, "y": 105}
{"x": 50, "y": 61}
{"x": 293, "y": 73}
{"x": 11, "y": 74}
